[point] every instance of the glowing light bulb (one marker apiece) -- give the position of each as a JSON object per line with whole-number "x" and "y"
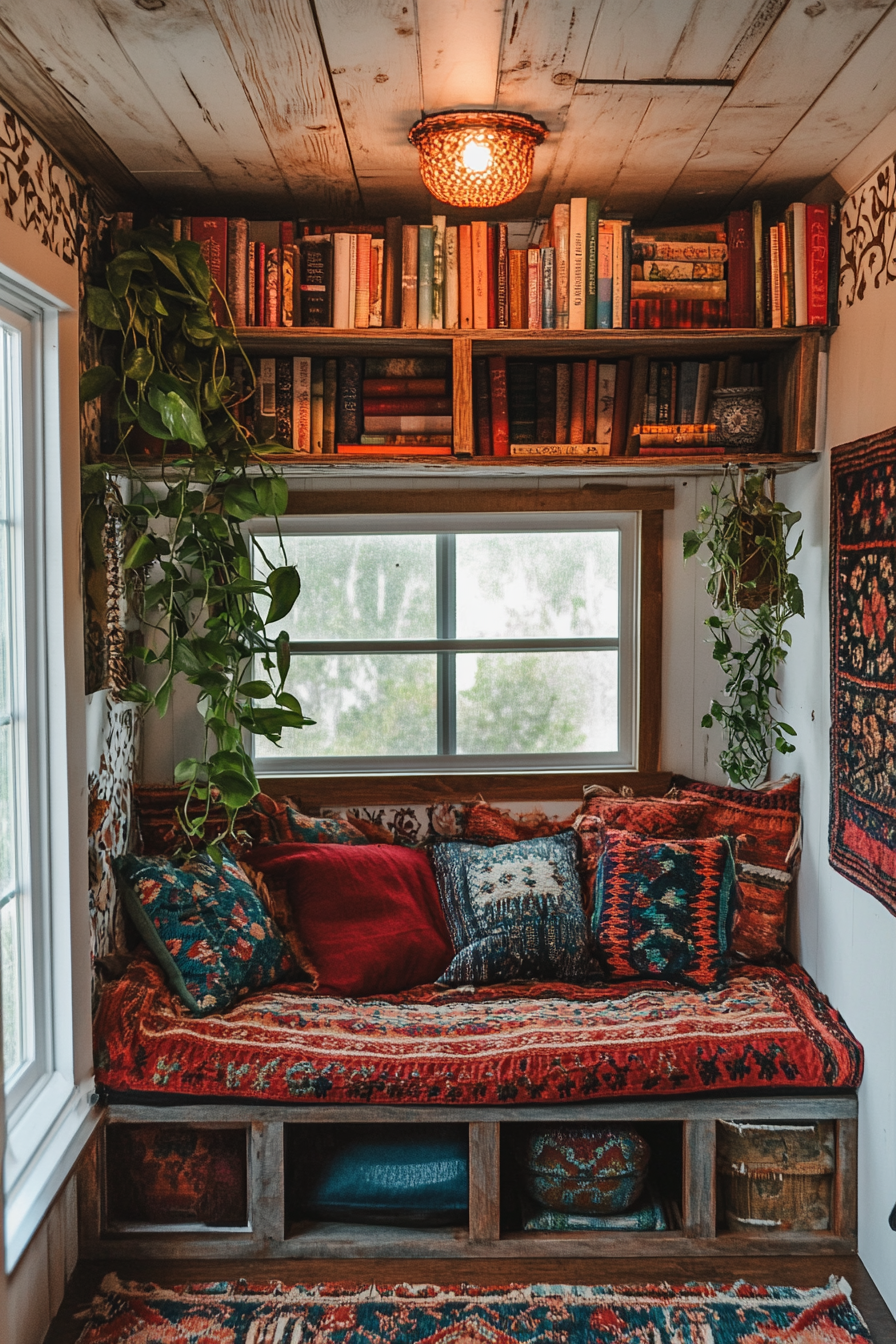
{"x": 477, "y": 158}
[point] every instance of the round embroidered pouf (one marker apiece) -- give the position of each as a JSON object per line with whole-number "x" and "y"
{"x": 585, "y": 1168}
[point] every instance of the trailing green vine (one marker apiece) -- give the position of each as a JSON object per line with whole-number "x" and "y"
{"x": 746, "y": 533}
{"x": 191, "y": 578}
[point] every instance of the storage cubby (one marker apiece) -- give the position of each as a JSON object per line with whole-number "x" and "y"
{"x": 775, "y": 1176}
{"x": 182, "y": 1176}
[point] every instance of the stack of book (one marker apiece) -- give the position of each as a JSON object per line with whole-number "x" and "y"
{"x": 677, "y": 400}
{"x": 550, "y": 407}
{"x": 678, "y": 277}
{"x": 352, "y": 405}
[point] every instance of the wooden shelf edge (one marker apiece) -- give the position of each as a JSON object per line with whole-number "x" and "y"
{"x": 380, "y": 790}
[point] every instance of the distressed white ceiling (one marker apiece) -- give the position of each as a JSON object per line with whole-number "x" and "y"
{"x": 660, "y": 108}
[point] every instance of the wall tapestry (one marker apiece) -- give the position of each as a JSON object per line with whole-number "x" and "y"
{"x": 863, "y": 664}
{"x": 868, "y": 236}
{"x": 35, "y": 190}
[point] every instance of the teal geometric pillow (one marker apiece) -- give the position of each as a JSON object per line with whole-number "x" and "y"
{"x": 206, "y": 927}
{"x": 514, "y": 911}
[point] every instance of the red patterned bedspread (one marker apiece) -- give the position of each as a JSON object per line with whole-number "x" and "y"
{"x": 765, "y": 1028}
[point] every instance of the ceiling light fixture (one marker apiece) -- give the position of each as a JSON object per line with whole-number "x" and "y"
{"x": 476, "y": 160}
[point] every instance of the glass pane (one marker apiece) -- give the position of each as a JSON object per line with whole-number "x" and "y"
{"x": 537, "y": 702}
{"x": 7, "y": 805}
{"x": 5, "y": 622}
{"x": 360, "y": 587}
{"x": 530, "y": 585}
{"x": 365, "y": 705}
{"x": 10, "y": 956}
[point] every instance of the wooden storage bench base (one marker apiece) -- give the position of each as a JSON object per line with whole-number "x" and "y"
{"x": 265, "y": 1229}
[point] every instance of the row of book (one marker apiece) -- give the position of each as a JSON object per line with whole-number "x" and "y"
{"x": 580, "y": 272}
{"x": 350, "y": 405}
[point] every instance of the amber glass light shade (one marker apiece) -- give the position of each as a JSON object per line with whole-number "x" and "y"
{"x": 476, "y": 159}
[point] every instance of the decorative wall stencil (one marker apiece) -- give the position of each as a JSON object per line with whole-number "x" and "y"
{"x": 110, "y": 807}
{"x": 868, "y": 236}
{"x": 863, "y": 669}
{"x": 35, "y": 190}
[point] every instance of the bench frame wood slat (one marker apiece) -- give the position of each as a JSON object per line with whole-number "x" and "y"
{"x": 268, "y": 1234}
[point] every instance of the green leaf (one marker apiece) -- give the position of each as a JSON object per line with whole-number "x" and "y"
{"x": 122, "y": 267}
{"x": 706, "y": 721}
{"x": 236, "y": 791}
{"x": 136, "y": 694}
{"x": 273, "y": 495}
{"x": 103, "y": 310}
{"x": 143, "y": 552}
{"x": 94, "y": 382}
{"x": 192, "y": 264}
{"x": 240, "y": 500}
{"x": 255, "y": 690}
{"x": 150, "y": 421}
{"x": 285, "y": 586}
{"x": 139, "y": 364}
{"x": 178, "y": 416}
{"x": 187, "y": 770}
{"x": 691, "y": 543}
{"x": 284, "y": 654}
{"x": 150, "y": 303}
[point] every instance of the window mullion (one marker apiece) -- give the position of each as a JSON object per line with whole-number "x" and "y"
{"x": 446, "y": 624}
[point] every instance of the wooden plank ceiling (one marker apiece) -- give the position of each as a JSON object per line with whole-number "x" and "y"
{"x": 662, "y": 108}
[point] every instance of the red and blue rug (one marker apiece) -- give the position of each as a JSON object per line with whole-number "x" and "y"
{"x": 270, "y": 1313}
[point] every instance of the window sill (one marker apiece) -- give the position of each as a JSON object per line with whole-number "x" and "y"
{"x": 44, "y": 1143}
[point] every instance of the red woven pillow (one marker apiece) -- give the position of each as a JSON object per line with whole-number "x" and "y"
{"x": 660, "y": 818}
{"x": 369, "y": 916}
{"x": 487, "y": 825}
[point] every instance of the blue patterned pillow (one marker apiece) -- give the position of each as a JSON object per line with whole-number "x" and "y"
{"x": 514, "y": 911}
{"x": 206, "y": 926}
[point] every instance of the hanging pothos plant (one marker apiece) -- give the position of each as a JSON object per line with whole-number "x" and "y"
{"x": 746, "y": 533}
{"x": 189, "y": 562}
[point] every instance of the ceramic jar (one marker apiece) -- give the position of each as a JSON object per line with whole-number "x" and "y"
{"x": 739, "y": 416}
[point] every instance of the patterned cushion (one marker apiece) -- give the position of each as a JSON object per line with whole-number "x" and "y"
{"x": 760, "y": 921}
{"x": 487, "y": 825}
{"x": 206, "y": 926}
{"x": 281, "y": 822}
{"x": 514, "y": 911}
{"x": 663, "y": 908}
{"x": 662, "y": 818}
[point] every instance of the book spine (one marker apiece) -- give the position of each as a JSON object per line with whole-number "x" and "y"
{"x": 604, "y": 306}
{"x": 238, "y": 270}
{"x": 407, "y": 405}
{"x": 479, "y": 231}
{"x": 687, "y": 392}
{"x": 577, "y": 388}
{"x": 626, "y": 275}
{"x": 664, "y": 394}
{"x": 619, "y": 433}
{"x": 800, "y": 272}
{"x": 361, "y": 314}
{"x": 483, "y": 403}
{"x": 521, "y": 401}
{"x": 272, "y": 287}
{"x": 561, "y": 419}
{"x": 210, "y": 232}
{"x": 287, "y": 284}
{"x": 592, "y": 228}
{"x": 348, "y": 410}
{"x": 301, "y": 404}
{"x": 251, "y": 309}
{"x": 497, "y": 374}
{"x": 317, "y": 405}
{"x": 785, "y": 245}
{"x": 377, "y": 248}
{"x": 452, "y": 292}
{"x": 503, "y": 279}
{"x": 816, "y": 265}
{"x": 404, "y": 424}
{"x": 676, "y": 251}
{"x": 438, "y": 272}
{"x": 402, "y": 366}
{"x": 680, "y": 270}
{"x": 316, "y": 282}
{"x": 774, "y": 270}
{"x": 465, "y": 274}
{"x": 392, "y": 272}
{"x": 606, "y": 394}
{"x": 701, "y": 394}
{"x": 834, "y": 264}
{"x": 674, "y": 233}
{"x": 353, "y": 277}
{"x": 387, "y": 445}
{"x": 560, "y": 235}
{"x": 261, "y": 307}
{"x": 616, "y": 228}
{"x": 266, "y": 400}
{"x": 679, "y": 289}
{"x": 519, "y": 283}
{"x": 409, "y": 256}
{"x": 343, "y": 295}
{"x": 758, "y": 266}
{"x": 533, "y": 288}
{"x": 548, "y": 300}
{"x": 404, "y": 387}
{"x": 591, "y": 401}
{"x": 283, "y": 402}
{"x": 408, "y": 440}
{"x": 578, "y": 246}
{"x": 651, "y": 394}
{"x": 492, "y": 243}
{"x": 331, "y": 393}
{"x": 559, "y": 450}
{"x": 545, "y": 402}
{"x": 425, "y": 247}
{"x": 740, "y": 269}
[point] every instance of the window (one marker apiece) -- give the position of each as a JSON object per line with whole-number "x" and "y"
{"x": 470, "y": 642}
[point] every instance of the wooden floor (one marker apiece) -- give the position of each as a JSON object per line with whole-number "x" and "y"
{"x": 797, "y": 1271}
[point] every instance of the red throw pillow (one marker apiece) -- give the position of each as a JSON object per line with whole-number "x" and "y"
{"x": 487, "y": 825}
{"x": 659, "y": 818}
{"x": 369, "y": 915}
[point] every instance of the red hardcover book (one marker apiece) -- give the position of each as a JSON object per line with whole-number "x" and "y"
{"x": 492, "y": 245}
{"x": 686, "y": 313}
{"x": 591, "y": 402}
{"x": 503, "y": 278}
{"x": 817, "y": 264}
{"x": 404, "y": 387}
{"x": 741, "y": 269}
{"x": 635, "y": 314}
{"x": 287, "y": 233}
{"x": 670, "y": 313}
{"x": 407, "y": 406}
{"x": 210, "y": 232}
{"x": 261, "y": 308}
{"x": 654, "y": 312}
{"x": 619, "y": 437}
{"x": 577, "y": 402}
{"x": 483, "y": 404}
{"x": 388, "y": 449}
{"x": 497, "y": 377}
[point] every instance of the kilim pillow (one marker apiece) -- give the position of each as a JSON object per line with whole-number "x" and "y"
{"x": 205, "y": 925}
{"x": 281, "y": 822}
{"x": 663, "y": 908}
{"x": 662, "y": 818}
{"x": 514, "y": 911}
{"x": 487, "y": 825}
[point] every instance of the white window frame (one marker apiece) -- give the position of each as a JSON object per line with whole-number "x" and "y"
{"x": 447, "y": 526}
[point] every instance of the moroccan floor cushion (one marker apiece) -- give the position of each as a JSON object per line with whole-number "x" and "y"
{"x": 583, "y": 1168}
{"x": 246, "y": 1313}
